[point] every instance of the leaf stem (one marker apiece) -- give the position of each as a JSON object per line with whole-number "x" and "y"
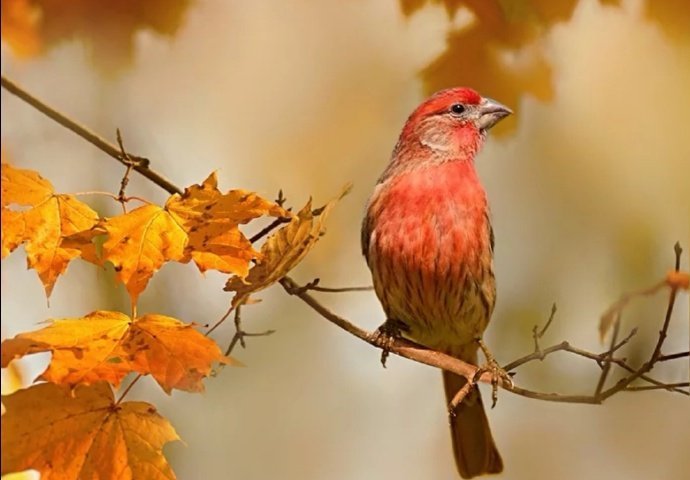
{"x": 129, "y": 387}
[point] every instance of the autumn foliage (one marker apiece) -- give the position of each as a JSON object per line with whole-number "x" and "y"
{"x": 75, "y": 410}
{"x": 71, "y": 424}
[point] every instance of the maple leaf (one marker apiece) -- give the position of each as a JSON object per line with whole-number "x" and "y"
{"x": 108, "y": 345}
{"x": 139, "y": 243}
{"x": 211, "y": 219}
{"x": 200, "y": 225}
{"x": 284, "y": 250}
{"x": 43, "y": 226}
{"x": 23, "y": 187}
{"x": 83, "y": 434}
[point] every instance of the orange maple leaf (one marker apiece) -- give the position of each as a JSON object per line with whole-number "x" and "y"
{"x": 83, "y": 434}
{"x": 284, "y": 250}
{"x": 211, "y": 220}
{"x": 43, "y": 226}
{"x": 108, "y": 345}
{"x": 200, "y": 225}
{"x": 139, "y": 243}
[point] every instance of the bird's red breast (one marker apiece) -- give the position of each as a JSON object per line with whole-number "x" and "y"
{"x": 430, "y": 253}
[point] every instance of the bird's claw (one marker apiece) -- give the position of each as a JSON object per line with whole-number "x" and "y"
{"x": 385, "y": 336}
{"x": 498, "y": 375}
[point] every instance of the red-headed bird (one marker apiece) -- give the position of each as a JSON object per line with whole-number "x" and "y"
{"x": 428, "y": 241}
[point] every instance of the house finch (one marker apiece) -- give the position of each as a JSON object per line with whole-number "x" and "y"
{"x": 428, "y": 241}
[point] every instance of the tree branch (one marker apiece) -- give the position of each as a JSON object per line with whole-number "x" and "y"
{"x": 89, "y": 136}
{"x": 604, "y": 360}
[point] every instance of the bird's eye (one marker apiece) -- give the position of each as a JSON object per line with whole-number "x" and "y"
{"x": 457, "y": 108}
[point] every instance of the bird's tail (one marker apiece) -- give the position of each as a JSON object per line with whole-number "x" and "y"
{"x": 473, "y": 446}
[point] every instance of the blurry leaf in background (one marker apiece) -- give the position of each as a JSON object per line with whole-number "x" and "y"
{"x": 20, "y": 20}
{"x": 501, "y": 51}
{"x": 43, "y": 226}
{"x": 106, "y": 346}
{"x": 672, "y": 15}
{"x": 31, "y": 27}
{"x": 83, "y": 434}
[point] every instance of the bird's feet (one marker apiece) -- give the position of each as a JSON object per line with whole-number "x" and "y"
{"x": 386, "y": 335}
{"x": 498, "y": 374}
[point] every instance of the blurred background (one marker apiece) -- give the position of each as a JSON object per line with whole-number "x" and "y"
{"x": 588, "y": 184}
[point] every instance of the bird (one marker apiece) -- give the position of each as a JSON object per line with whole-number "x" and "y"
{"x": 428, "y": 241}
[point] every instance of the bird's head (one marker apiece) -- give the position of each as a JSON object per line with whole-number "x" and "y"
{"x": 453, "y": 122}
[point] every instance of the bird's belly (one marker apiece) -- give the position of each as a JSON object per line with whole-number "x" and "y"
{"x": 427, "y": 274}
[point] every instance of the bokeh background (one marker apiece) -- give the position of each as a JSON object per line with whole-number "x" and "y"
{"x": 588, "y": 184}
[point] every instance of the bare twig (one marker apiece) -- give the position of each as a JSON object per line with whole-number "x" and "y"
{"x": 240, "y": 334}
{"x": 129, "y": 387}
{"x": 606, "y": 366}
{"x": 673, "y": 356}
{"x": 219, "y": 322}
{"x": 668, "y": 386}
{"x": 280, "y": 200}
{"x": 538, "y": 334}
{"x": 86, "y": 134}
{"x": 315, "y": 286}
{"x": 269, "y": 228}
{"x": 130, "y": 161}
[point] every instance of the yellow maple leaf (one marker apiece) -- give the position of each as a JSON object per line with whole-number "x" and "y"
{"x": 211, "y": 219}
{"x": 283, "y": 250}
{"x": 108, "y": 345}
{"x": 43, "y": 226}
{"x": 83, "y": 434}
{"x": 139, "y": 243}
{"x": 200, "y": 225}
{"x": 23, "y": 187}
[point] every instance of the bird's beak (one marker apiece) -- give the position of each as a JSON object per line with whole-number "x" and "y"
{"x": 490, "y": 112}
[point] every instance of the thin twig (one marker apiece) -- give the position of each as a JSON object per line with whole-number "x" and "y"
{"x": 240, "y": 334}
{"x": 668, "y": 386}
{"x": 538, "y": 334}
{"x": 315, "y": 286}
{"x": 86, "y": 134}
{"x": 609, "y": 355}
{"x": 219, "y": 322}
{"x": 672, "y": 356}
{"x": 131, "y": 161}
{"x": 129, "y": 387}
{"x": 269, "y": 228}
{"x": 343, "y": 289}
